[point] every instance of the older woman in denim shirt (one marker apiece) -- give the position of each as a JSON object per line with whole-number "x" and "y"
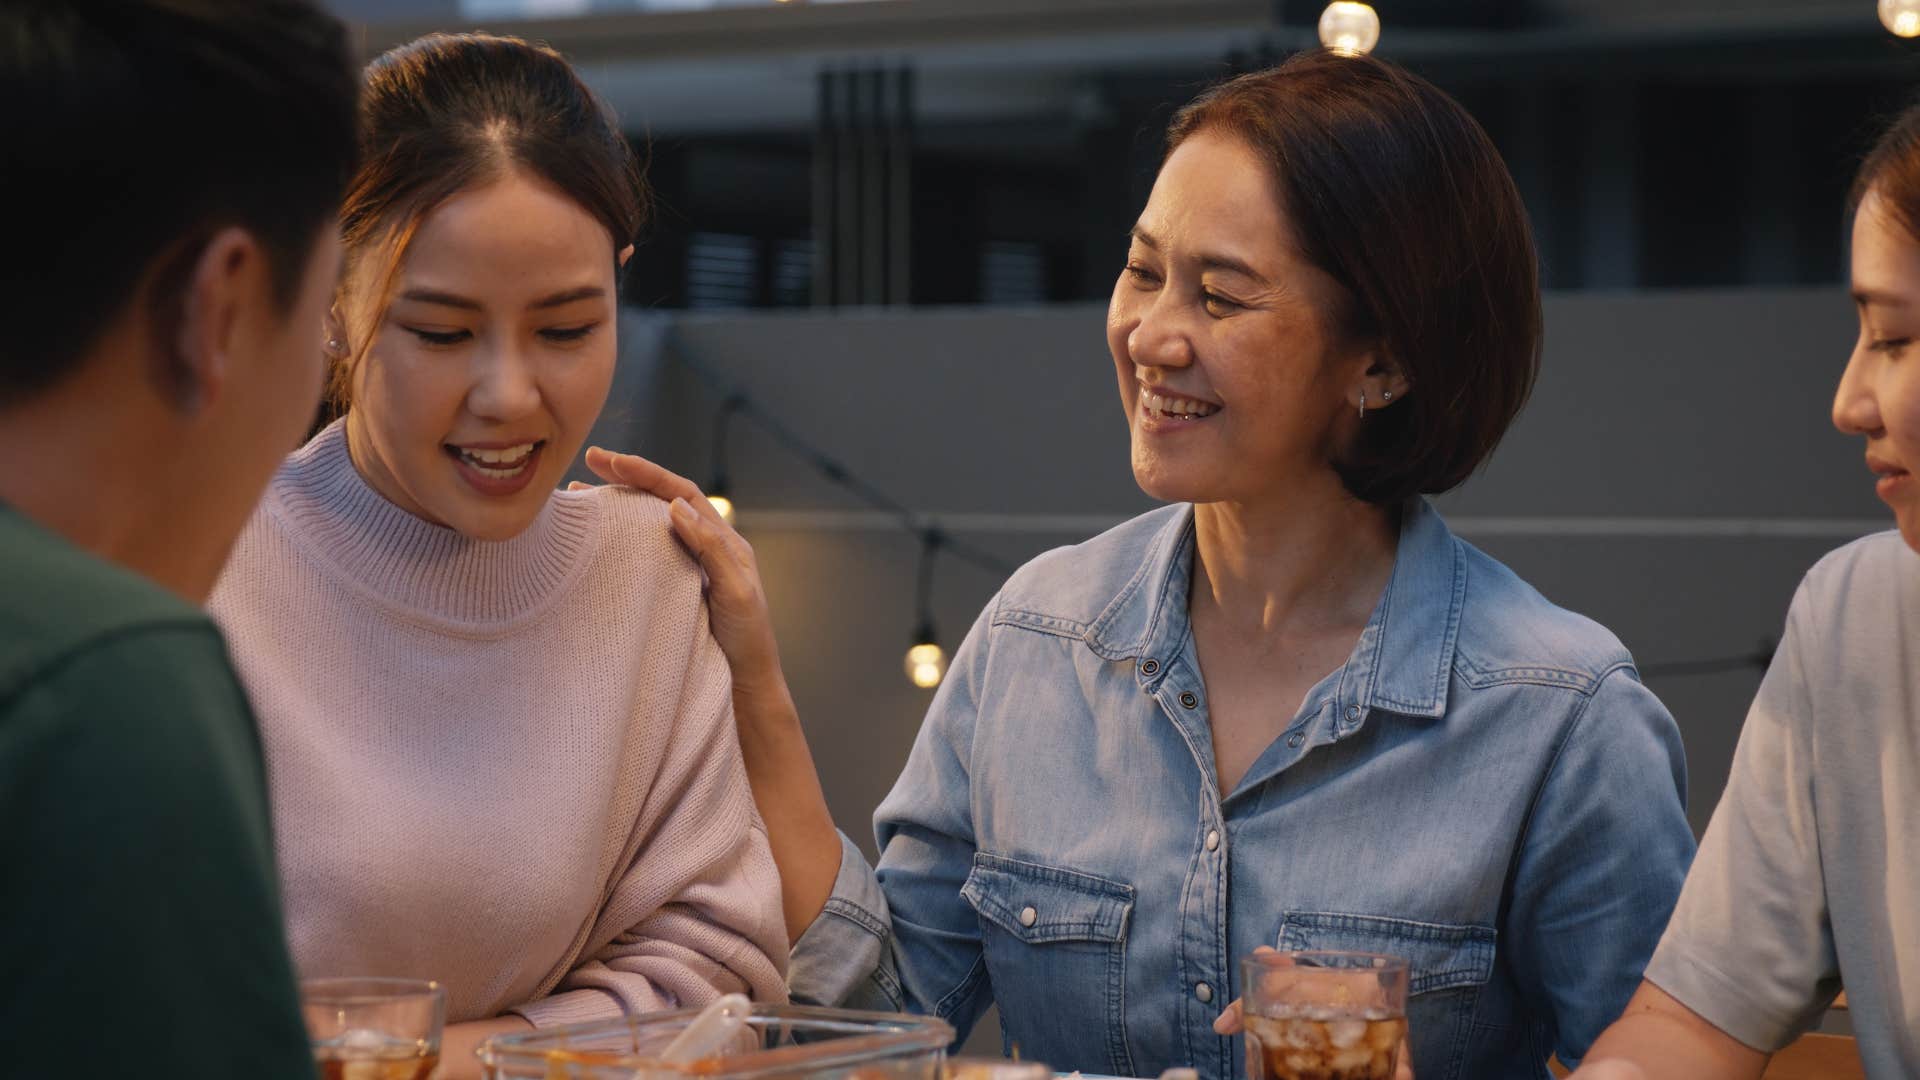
{"x": 1291, "y": 708}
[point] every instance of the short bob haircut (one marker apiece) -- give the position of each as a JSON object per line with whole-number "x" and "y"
{"x": 1395, "y": 193}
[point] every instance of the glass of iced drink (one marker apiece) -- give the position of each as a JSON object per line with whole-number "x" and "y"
{"x": 374, "y": 1029}
{"x": 1323, "y": 1015}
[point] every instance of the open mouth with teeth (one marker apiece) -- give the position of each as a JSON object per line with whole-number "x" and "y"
{"x": 1166, "y": 407}
{"x": 501, "y": 463}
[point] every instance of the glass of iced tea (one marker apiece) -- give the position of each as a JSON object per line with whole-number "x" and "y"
{"x": 1323, "y": 1015}
{"x": 374, "y": 1029}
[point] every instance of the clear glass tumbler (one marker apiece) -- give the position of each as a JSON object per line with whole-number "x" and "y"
{"x": 374, "y": 1029}
{"x": 1323, "y": 1015}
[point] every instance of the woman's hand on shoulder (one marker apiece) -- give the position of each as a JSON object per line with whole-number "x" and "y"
{"x": 786, "y": 786}
{"x": 736, "y": 601}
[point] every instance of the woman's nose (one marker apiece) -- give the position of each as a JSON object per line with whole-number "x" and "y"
{"x": 1855, "y": 409}
{"x": 1159, "y": 339}
{"x": 504, "y": 387}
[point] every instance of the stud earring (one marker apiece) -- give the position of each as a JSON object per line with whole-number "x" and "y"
{"x": 1386, "y": 395}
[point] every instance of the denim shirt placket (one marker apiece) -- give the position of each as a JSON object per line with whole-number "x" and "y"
{"x": 1174, "y": 682}
{"x": 1203, "y": 958}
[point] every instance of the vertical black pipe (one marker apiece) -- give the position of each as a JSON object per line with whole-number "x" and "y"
{"x": 848, "y": 187}
{"x": 873, "y": 186}
{"x": 824, "y": 195}
{"x": 900, "y": 191}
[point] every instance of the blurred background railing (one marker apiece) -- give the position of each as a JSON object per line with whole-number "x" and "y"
{"x": 1685, "y": 143}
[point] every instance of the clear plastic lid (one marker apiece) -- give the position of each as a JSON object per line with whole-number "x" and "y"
{"x": 784, "y": 1041}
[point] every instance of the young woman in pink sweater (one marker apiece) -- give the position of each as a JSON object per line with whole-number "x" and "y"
{"x": 499, "y": 735}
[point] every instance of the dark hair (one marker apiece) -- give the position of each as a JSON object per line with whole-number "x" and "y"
{"x": 1892, "y": 167}
{"x": 134, "y": 130}
{"x": 450, "y": 111}
{"x": 1398, "y": 195}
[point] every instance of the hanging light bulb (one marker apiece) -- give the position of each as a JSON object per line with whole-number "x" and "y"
{"x": 1901, "y": 16}
{"x": 926, "y": 660}
{"x": 926, "y": 664}
{"x": 1353, "y": 29}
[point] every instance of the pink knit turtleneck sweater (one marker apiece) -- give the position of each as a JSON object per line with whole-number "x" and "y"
{"x": 507, "y": 766}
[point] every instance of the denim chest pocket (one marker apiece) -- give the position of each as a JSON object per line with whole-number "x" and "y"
{"x": 1450, "y": 964}
{"x": 1056, "y": 950}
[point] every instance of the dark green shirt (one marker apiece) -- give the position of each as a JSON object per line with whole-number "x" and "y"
{"x": 140, "y": 927}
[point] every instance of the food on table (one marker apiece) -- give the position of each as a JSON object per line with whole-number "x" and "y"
{"x": 996, "y": 1069}
{"x": 777, "y": 1042}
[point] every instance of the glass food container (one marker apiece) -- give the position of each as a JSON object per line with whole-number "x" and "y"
{"x": 780, "y": 1042}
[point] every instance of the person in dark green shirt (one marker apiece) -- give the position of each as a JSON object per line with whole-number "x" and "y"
{"x": 139, "y": 921}
{"x": 173, "y": 171}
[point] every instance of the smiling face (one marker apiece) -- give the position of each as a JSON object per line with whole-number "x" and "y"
{"x": 1235, "y": 380}
{"x": 492, "y": 360}
{"x": 1879, "y": 395}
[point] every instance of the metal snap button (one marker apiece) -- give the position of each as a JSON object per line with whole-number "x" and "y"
{"x": 1028, "y": 916}
{"x": 1353, "y": 712}
{"x": 1295, "y": 739}
{"x": 1150, "y": 667}
{"x": 1190, "y": 700}
{"x": 1213, "y": 839}
{"x": 1203, "y": 992}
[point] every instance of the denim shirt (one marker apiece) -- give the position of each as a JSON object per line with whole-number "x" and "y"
{"x": 1484, "y": 788}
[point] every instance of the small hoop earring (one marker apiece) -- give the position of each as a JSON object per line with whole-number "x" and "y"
{"x": 1363, "y": 404}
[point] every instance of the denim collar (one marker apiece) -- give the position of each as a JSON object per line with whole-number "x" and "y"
{"x": 1403, "y": 658}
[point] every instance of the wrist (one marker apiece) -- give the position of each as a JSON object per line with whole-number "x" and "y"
{"x": 762, "y": 696}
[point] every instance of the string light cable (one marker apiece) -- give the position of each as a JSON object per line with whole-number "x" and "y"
{"x": 926, "y": 662}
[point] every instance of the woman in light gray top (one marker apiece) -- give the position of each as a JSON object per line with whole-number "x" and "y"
{"x": 1808, "y": 879}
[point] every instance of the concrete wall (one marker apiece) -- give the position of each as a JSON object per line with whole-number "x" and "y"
{"x": 1673, "y": 476}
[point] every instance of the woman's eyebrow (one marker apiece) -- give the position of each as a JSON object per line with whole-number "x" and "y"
{"x": 1223, "y": 261}
{"x": 1208, "y": 260}
{"x": 568, "y": 296}
{"x": 444, "y": 299}
{"x": 1865, "y": 297}
{"x": 453, "y": 300}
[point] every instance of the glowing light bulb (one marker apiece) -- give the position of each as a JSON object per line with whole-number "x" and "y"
{"x": 724, "y": 505}
{"x": 1901, "y": 16}
{"x": 1353, "y": 29}
{"x": 926, "y": 665}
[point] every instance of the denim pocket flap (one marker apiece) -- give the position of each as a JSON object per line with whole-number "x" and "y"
{"x": 1040, "y": 904}
{"x": 1444, "y": 956}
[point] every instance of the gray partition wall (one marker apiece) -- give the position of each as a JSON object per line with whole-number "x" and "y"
{"x": 1673, "y": 476}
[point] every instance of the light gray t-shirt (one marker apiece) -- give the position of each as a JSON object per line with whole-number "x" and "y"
{"x": 1808, "y": 878}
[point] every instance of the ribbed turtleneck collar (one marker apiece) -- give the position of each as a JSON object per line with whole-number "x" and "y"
{"x": 430, "y": 570}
